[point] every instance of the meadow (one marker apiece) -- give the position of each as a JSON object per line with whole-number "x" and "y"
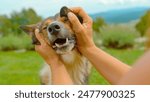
{"x": 22, "y": 68}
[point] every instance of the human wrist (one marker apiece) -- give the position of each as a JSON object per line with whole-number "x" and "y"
{"x": 88, "y": 50}
{"x": 53, "y": 61}
{"x": 56, "y": 64}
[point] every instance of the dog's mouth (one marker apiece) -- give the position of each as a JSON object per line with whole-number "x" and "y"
{"x": 63, "y": 42}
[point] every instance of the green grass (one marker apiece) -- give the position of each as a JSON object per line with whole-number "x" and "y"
{"x": 19, "y": 68}
{"x": 23, "y": 68}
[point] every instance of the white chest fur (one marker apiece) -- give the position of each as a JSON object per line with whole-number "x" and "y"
{"x": 77, "y": 66}
{"x": 68, "y": 58}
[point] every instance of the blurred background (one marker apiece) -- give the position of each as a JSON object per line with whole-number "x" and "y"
{"x": 121, "y": 28}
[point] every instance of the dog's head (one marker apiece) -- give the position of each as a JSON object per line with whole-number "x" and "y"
{"x": 56, "y": 30}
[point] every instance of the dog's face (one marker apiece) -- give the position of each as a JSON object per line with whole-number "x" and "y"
{"x": 56, "y": 30}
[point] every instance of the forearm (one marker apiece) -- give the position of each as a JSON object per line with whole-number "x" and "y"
{"x": 111, "y": 68}
{"x": 139, "y": 74}
{"x": 60, "y": 75}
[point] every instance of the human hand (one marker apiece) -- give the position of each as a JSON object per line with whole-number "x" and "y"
{"x": 48, "y": 54}
{"x": 82, "y": 31}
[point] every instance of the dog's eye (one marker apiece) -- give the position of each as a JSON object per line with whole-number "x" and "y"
{"x": 44, "y": 27}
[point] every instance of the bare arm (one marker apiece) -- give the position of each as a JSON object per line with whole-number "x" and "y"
{"x": 59, "y": 73}
{"x": 140, "y": 73}
{"x": 111, "y": 68}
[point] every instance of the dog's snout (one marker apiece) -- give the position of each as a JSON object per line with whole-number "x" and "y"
{"x": 54, "y": 28}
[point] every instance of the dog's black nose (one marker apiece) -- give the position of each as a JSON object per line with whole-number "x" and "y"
{"x": 54, "y": 28}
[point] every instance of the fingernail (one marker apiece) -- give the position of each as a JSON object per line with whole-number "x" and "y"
{"x": 37, "y": 30}
{"x": 84, "y": 25}
{"x": 70, "y": 14}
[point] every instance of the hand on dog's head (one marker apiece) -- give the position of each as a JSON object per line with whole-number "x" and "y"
{"x": 30, "y": 29}
{"x": 64, "y": 12}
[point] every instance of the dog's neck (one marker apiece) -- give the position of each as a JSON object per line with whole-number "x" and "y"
{"x": 71, "y": 57}
{"x": 68, "y": 58}
{"x": 77, "y": 66}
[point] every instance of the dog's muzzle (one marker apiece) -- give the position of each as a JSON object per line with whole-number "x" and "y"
{"x": 54, "y": 28}
{"x": 63, "y": 40}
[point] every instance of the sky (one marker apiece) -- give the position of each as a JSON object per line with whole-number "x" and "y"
{"x": 47, "y": 8}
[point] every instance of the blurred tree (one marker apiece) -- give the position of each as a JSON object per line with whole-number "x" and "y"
{"x": 99, "y": 22}
{"x": 4, "y": 20}
{"x": 9, "y": 25}
{"x": 144, "y": 23}
{"x": 118, "y": 36}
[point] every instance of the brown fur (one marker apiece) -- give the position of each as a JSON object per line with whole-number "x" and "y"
{"x": 76, "y": 64}
{"x": 79, "y": 69}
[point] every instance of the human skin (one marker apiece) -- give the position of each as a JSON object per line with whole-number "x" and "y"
{"x": 113, "y": 70}
{"x": 140, "y": 72}
{"x": 60, "y": 75}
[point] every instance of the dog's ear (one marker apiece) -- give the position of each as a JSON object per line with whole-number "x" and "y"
{"x": 30, "y": 29}
{"x": 65, "y": 10}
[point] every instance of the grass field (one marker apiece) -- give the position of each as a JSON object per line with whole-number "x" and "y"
{"x": 22, "y": 68}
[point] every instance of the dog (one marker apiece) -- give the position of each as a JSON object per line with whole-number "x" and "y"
{"x": 57, "y": 32}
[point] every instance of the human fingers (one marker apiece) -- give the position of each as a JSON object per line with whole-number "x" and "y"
{"x": 39, "y": 37}
{"x": 82, "y": 13}
{"x": 76, "y": 25}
